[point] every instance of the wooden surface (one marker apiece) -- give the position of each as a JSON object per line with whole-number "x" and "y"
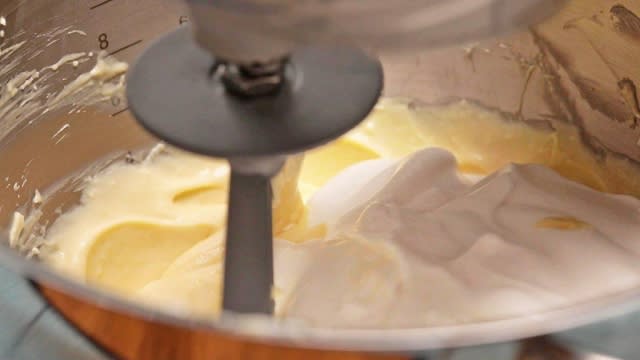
{"x": 31, "y": 330}
{"x": 131, "y": 338}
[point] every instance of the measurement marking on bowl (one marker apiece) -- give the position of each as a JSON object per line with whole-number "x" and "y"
{"x": 125, "y": 47}
{"x": 100, "y": 4}
{"x": 120, "y": 111}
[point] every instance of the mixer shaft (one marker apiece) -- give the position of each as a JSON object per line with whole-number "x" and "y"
{"x": 253, "y": 114}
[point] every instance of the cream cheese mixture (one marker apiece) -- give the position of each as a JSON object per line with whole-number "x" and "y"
{"x": 405, "y": 222}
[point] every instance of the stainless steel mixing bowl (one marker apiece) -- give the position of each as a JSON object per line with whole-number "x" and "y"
{"x": 579, "y": 68}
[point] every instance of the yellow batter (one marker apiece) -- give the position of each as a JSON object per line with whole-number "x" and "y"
{"x": 154, "y": 231}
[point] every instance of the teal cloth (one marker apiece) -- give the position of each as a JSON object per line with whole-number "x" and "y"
{"x": 31, "y": 330}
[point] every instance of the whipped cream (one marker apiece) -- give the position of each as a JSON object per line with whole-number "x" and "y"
{"x": 408, "y": 243}
{"x": 419, "y": 244}
{"x": 390, "y": 236}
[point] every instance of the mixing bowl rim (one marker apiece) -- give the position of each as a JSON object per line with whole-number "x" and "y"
{"x": 287, "y": 333}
